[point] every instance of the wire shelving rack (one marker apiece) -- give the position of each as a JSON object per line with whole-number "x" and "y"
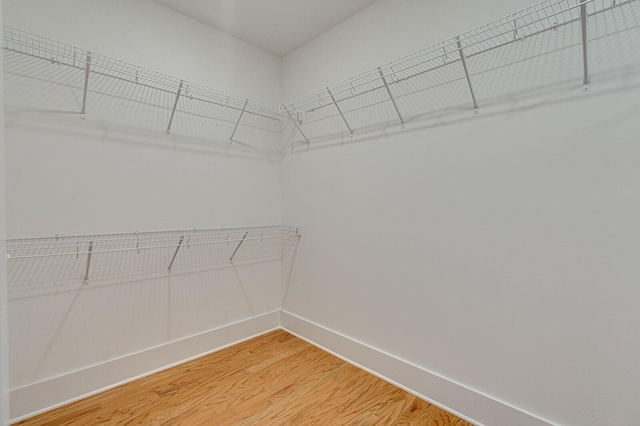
{"x": 94, "y": 85}
{"x": 44, "y": 265}
{"x": 551, "y": 45}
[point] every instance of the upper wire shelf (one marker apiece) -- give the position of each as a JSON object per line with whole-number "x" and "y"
{"x": 553, "y": 42}
{"x": 545, "y": 47}
{"x": 51, "y": 264}
{"x": 97, "y": 86}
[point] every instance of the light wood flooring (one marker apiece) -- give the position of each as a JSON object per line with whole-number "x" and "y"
{"x": 274, "y": 379}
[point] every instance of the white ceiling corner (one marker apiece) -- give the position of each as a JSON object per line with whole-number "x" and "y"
{"x": 276, "y": 26}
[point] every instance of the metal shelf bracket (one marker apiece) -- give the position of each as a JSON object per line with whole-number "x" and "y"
{"x": 86, "y": 271}
{"x": 295, "y": 123}
{"x": 466, "y": 73}
{"x": 340, "y": 111}
{"x": 585, "y": 63}
{"x": 244, "y": 108}
{"x": 175, "y": 253}
{"x": 384, "y": 80}
{"x": 175, "y": 105}
{"x": 238, "y": 246}
{"x": 87, "y": 70}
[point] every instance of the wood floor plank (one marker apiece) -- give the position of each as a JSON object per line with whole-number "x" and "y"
{"x": 274, "y": 379}
{"x": 418, "y": 413}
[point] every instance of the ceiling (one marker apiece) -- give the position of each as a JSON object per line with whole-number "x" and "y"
{"x": 277, "y": 26}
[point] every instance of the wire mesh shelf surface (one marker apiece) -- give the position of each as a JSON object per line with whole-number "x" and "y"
{"x": 51, "y": 264}
{"x": 556, "y": 42}
{"x": 548, "y": 45}
{"x": 99, "y": 86}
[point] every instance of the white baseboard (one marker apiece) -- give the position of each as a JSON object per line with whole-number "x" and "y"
{"x": 464, "y": 402}
{"x": 469, "y": 404}
{"x": 46, "y": 395}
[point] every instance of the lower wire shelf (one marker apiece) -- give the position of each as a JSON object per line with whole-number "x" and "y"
{"x": 44, "y": 265}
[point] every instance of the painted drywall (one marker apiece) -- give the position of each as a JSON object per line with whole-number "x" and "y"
{"x": 148, "y": 34}
{"x": 495, "y": 252}
{"x": 4, "y": 351}
{"x": 71, "y": 176}
{"x": 498, "y": 251}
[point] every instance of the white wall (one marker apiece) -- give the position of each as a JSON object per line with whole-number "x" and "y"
{"x": 4, "y": 351}
{"x": 148, "y": 34}
{"x": 499, "y": 251}
{"x": 71, "y": 176}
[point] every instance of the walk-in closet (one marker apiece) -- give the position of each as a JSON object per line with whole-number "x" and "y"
{"x": 374, "y": 212}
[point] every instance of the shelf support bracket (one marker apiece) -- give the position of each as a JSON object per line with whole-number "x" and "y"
{"x": 86, "y": 271}
{"x": 393, "y": 100}
{"x": 238, "y": 246}
{"x": 175, "y": 253}
{"x": 175, "y": 105}
{"x": 466, "y": 73}
{"x": 238, "y": 122}
{"x": 295, "y": 123}
{"x": 340, "y": 111}
{"x": 585, "y": 62}
{"x": 87, "y": 70}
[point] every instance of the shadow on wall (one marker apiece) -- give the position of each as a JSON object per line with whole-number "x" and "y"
{"x": 70, "y": 123}
{"x": 135, "y": 299}
{"x": 433, "y": 90}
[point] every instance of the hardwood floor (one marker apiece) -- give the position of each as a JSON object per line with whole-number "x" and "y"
{"x": 274, "y": 379}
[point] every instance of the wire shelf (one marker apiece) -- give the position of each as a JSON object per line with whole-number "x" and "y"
{"x": 52, "y": 264}
{"x": 547, "y": 46}
{"x": 553, "y": 43}
{"x": 95, "y": 85}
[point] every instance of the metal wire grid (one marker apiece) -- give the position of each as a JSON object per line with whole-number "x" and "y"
{"x": 491, "y": 62}
{"x": 132, "y": 95}
{"x": 43, "y": 265}
{"x": 434, "y": 81}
